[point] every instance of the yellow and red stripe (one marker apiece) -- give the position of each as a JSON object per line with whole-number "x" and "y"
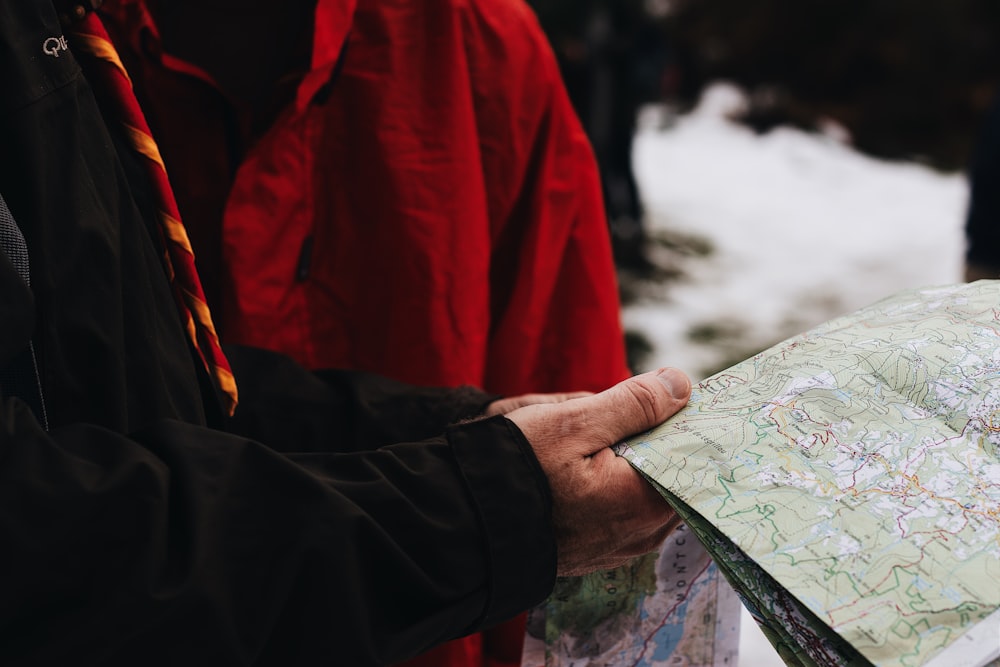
{"x": 89, "y": 38}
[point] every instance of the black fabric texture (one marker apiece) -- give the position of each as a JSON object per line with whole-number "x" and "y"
{"x": 17, "y": 312}
{"x": 182, "y": 545}
{"x": 510, "y": 562}
{"x": 108, "y": 337}
{"x": 34, "y": 60}
{"x": 287, "y": 411}
{"x": 982, "y": 223}
{"x": 12, "y": 243}
{"x": 133, "y": 534}
{"x": 19, "y": 376}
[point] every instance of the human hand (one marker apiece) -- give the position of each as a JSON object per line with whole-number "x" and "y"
{"x": 502, "y": 406}
{"x": 604, "y": 513}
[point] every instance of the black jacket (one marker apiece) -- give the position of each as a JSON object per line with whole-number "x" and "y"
{"x": 366, "y": 529}
{"x": 982, "y": 221}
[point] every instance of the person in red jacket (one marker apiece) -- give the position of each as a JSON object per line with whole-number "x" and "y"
{"x": 395, "y": 187}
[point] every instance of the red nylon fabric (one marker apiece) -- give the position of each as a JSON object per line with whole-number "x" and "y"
{"x": 458, "y": 239}
{"x": 450, "y": 195}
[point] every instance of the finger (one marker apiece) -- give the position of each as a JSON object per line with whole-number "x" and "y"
{"x": 635, "y": 405}
{"x": 504, "y": 405}
{"x": 534, "y": 399}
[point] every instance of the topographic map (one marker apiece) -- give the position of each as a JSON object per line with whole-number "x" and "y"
{"x": 847, "y": 482}
{"x": 668, "y": 609}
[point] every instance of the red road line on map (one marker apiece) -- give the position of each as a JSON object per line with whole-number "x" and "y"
{"x": 670, "y": 611}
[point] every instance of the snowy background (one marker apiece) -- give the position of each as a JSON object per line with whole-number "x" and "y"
{"x": 772, "y": 234}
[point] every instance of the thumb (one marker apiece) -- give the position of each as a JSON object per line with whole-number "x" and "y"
{"x": 638, "y": 404}
{"x": 585, "y": 426}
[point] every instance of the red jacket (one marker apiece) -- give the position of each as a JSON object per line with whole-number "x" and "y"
{"x": 425, "y": 206}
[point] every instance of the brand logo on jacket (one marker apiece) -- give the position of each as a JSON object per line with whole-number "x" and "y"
{"x": 54, "y": 45}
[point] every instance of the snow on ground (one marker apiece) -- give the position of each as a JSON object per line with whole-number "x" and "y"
{"x": 802, "y": 228}
{"x": 778, "y": 232}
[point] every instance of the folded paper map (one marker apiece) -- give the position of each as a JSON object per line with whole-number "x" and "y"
{"x": 847, "y": 482}
{"x": 668, "y": 608}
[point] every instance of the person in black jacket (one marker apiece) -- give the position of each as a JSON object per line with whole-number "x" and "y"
{"x": 140, "y": 525}
{"x": 982, "y": 220}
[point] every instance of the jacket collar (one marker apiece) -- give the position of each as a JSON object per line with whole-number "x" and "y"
{"x": 331, "y": 28}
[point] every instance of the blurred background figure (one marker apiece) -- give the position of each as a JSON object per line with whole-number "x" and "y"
{"x": 614, "y": 57}
{"x": 982, "y": 223}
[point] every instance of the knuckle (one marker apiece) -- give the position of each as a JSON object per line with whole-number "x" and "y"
{"x": 648, "y": 398}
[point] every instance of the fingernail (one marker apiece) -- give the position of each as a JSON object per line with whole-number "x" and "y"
{"x": 675, "y": 381}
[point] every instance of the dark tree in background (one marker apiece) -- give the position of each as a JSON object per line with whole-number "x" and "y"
{"x": 909, "y": 79}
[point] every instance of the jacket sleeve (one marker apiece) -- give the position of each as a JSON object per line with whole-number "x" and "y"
{"x": 291, "y": 409}
{"x": 554, "y": 292}
{"x": 184, "y": 545}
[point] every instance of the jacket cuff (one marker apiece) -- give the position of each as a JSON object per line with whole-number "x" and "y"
{"x": 470, "y": 402}
{"x": 514, "y": 503}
